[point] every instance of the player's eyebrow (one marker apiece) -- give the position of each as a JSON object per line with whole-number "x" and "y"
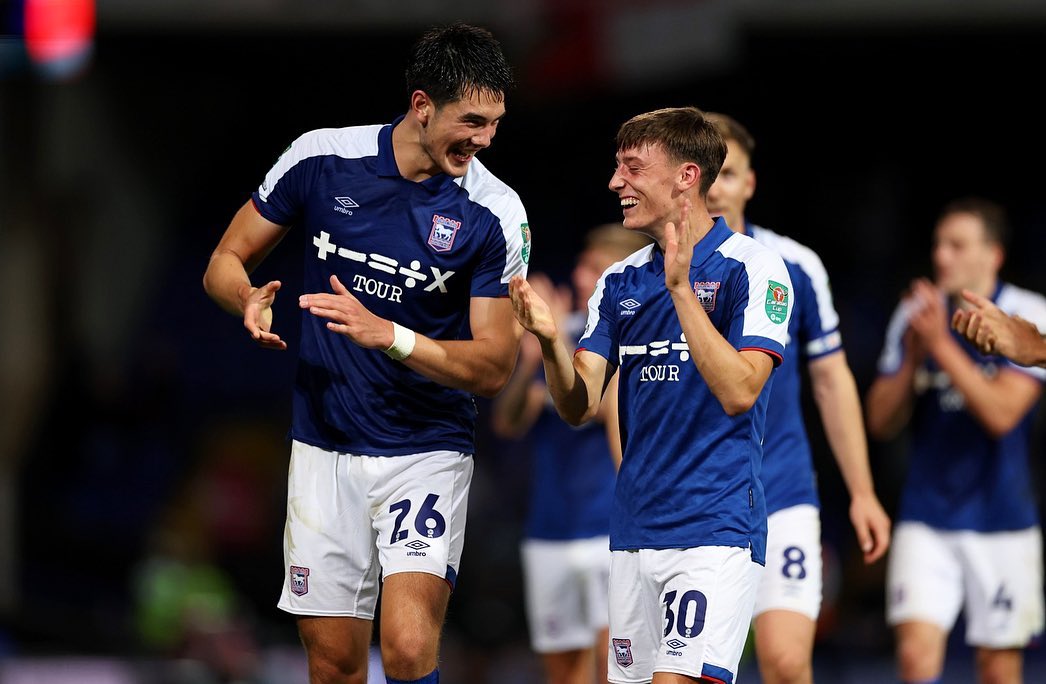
{"x": 478, "y": 119}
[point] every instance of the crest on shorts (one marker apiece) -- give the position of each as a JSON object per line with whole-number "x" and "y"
{"x": 299, "y": 580}
{"x": 706, "y": 292}
{"x": 623, "y": 652}
{"x": 444, "y": 229}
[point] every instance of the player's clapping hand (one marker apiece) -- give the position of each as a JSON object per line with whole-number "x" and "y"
{"x": 257, "y": 315}
{"x": 679, "y": 250}
{"x": 531, "y": 310}
{"x": 927, "y": 315}
{"x": 347, "y": 316}
{"x": 995, "y": 332}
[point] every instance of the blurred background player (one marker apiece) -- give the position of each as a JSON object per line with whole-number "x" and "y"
{"x": 789, "y": 598}
{"x": 968, "y": 532}
{"x": 409, "y": 241}
{"x": 566, "y": 546}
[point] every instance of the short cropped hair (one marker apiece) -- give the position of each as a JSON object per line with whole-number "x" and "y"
{"x": 991, "y": 214}
{"x": 452, "y": 62}
{"x": 684, "y": 133}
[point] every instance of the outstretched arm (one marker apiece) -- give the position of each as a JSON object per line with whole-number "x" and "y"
{"x": 246, "y": 242}
{"x": 835, "y": 391}
{"x": 995, "y": 332}
{"x": 576, "y": 382}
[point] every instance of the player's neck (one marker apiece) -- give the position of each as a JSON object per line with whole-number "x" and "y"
{"x": 412, "y": 160}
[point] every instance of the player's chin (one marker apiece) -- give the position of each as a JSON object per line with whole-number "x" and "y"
{"x": 457, "y": 165}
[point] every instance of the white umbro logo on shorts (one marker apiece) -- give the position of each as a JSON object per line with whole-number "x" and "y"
{"x": 347, "y": 202}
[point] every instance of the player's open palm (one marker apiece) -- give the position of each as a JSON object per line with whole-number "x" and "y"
{"x": 257, "y": 315}
{"x": 679, "y": 250}
{"x": 532, "y": 312}
{"x": 347, "y": 316}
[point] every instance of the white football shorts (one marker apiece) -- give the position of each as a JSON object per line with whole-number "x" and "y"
{"x": 685, "y": 611}
{"x": 565, "y": 584}
{"x": 349, "y": 516}
{"x": 792, "y": 579}
{"x": 996, "y": 576}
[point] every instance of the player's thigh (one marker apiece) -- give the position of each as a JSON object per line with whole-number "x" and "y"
{"x": 1003, "y": 581}
{"x": 413, "y": 606}
{"x": 555, "y": 587}
{"x": 419, "y": 504}
{"x": 336, "y": 643}
{"x": 924, "y": 578}
{"x": 329, "y": 551}
{"x": 792, "y": 580}
{"x": 784, "y": 639}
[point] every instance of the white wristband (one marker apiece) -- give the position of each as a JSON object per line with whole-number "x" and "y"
{"x": 403, "y": 340}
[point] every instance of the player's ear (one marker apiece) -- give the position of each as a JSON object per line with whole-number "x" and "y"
{"x": 422, "y": 106}
{"x": 689, "y": 175}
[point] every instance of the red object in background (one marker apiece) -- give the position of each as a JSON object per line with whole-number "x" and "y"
{"x": 59, "y": 31}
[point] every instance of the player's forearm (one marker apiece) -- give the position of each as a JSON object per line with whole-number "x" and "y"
{"x": 1023, "y": 342}
{"x": 512, "y": 413}
{"x": 835, "y": 392}
{"x": 575, "y": 399}
{"x": 226, "y": 282}
{"x": 889, "y": 403}
{"x": 734, "y": 381}
{"x": 992, "y": 405}
{"x": 478, "y": 366}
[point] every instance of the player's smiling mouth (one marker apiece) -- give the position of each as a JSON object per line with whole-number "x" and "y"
{"x": 629, "y": 202}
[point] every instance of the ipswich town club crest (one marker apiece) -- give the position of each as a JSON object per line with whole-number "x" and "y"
{"x": 299, "y": 580}
{"x": 444, "y": 229}
{"x": 623, "y": 652}
{"x": 706, "y": 292}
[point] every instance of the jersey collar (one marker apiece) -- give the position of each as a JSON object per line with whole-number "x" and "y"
{"x": 705, "y": 248}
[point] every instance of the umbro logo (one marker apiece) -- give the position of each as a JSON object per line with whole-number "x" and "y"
{"x": 346, "y": 204}
{"x": 675, "y": 643}
{"x": 630, "y": 305}
{"x": 416, "y": 547}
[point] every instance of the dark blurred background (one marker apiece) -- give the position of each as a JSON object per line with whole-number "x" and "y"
{"x": 142, "y": 435}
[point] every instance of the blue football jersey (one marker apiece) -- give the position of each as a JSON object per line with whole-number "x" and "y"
{"x": 572, "y": 483}
{"x": 813, "y": 331}
{"x": 414, "y": 253}
{"x": 959, "y": 476}
{"x": 690, "y": 472}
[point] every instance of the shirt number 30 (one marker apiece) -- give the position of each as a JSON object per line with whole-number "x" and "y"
{"x": 692, "y": 607}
